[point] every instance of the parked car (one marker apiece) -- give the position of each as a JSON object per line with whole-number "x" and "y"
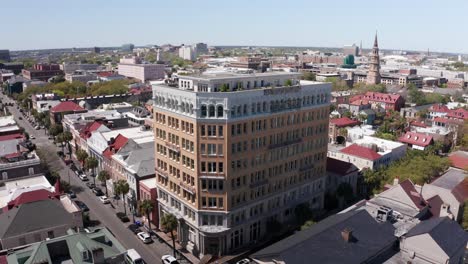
{"x": 83, "y": 177}
{"x": 104, "y": 199}
{"x": 71, "y": 194}
{"x": 123, "y": 217}
{"x": 90, "y": 185}
{"x": 20, "y": 118}
{"x": 145, "y": 237}
{"x": 37, "y": 127}
{"x": 169, "y": 259}
{"x": 243, "y": 261}
{"x": 82, "y": 206}
{"x": 97, "y": 191}
{"x": 32, "y": 137}
{"x": 134, "y": 228}
{"x": 60, "y": 153}
{"x": 78, "y": 172}
{"x": 67, "y": 161}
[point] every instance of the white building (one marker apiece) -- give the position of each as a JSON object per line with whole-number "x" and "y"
{"x": 187, "y": 53}
{"x": 369, "y": 152}
{"x": 133, "y": 68}
{"x": 358, "y": 132}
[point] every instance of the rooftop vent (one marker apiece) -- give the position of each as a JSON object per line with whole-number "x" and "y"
{"x": 347, "y": 235}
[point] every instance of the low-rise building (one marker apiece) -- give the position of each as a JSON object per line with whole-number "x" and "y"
{"x": 97, "y": 247}
{"x": 42, "y": 72}
{"x": 369, "y": 152}
{"x": 57, "y": 112}
{"x": 51, "y": 218}
{"x": 83, "y": 77}
{"x": 149, "y": 191}
{"x": 459, "y": 159}
{"x": 381, "y": 102}
{"x": 337, "y": 129}
{"x": 416, "y": 140}
{"x": 358, "y": 132}
{"x": 339, "y": 172}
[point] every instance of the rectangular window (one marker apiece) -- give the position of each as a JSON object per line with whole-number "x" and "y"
{"x": 220, "y": 131}
{"x": 203, "y": 132}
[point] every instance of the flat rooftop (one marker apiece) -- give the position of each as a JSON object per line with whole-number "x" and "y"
{"x": 235, "y": 75}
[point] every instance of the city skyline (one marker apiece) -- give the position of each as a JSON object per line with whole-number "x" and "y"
{"x": 401, "y": 25}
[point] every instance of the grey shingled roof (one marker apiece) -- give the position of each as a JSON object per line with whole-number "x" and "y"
{"x": 323, "y": 243}
{"x": 450, "y": 179}
{"x": 446, "y": 233}
{"x": 33, "y": 216}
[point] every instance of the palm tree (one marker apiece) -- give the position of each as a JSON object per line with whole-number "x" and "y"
{"x": 91, "y": 164}
{"x": 60, "y": 139}
{"x": 81, "y": 155}
{"x": 103, "y": 176}
{"x": 169, "y": 224}
{"x": 122, "y": 188}
{"x": 146, "y": 206}
{"x": 67, "y": 137}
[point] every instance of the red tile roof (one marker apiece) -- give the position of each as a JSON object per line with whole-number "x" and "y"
{"x": 362, "y": 152}
{"x": 119, "y": 142}
{"x": 105, "y": 74}
{"x": 86, "y": 131}
{"x": 414, "y": 195}
{"x": 461, "y": 191}
{"x": 459, "y": 160}
{"x": 377, "y": 97}
{"x": 67, "y": 106}
{"x": 439, "y": 108}
{"x": 418, "y": 124}
{"x": 339, "y": 167}
{"x": 12, "y": 136}
{"x": 360, "y": 102}
{"x": 29, "y": 197}
{"x": 344, "y": 122}
{"x": 446, "y": 120}
{"x": 459, "y": 113}
{"x": 417, "y": 139}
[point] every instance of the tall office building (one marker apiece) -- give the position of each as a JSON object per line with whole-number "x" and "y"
{"x": 236, "y": 153}
{"x": 5, "y": 55}
{"x": 373, "y": 76}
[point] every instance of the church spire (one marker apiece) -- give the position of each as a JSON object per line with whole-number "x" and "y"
{"x": 376, "y": 44}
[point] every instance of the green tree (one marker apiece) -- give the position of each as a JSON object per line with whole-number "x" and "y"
{"x": 91, "y": 163}
{"x": 307, "y": 224}
{"x": 103, "y": 176}
{"x": 337, "y": 84}
{"x": 55, "y": 130}
{"x": 67, "y": 137}
{"x": 81, "y": 156}
{"x": 302, "y": 213}
{"x": 309, "y": 76}
{"x": 145, "y": 208}
{"x": 288, "y": 82}
{"x": 169, "y": 224}
{"x": 122, "y": 188}
{"x": 61, "y": 140}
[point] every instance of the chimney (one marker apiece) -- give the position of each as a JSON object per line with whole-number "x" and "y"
{"x": 396, "y": 181}
{"x": 347, "y": 235}
{"x": 445, "y": 211}
{"x": 98, "y": 256}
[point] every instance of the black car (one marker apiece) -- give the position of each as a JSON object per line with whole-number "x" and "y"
{"x": 134, "y": 228}
{"x": 82, "y": 206}
{"x": 90, "y": 185}
{"x": 71, "y": 194}
{"x": 97, "y": 191}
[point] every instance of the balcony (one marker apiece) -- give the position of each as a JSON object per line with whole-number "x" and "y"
{"x": 258, "y": 183}
{"x": 173, "y": 147}
{"x": 284, "y": 144}
{"x": 188, "y": 187}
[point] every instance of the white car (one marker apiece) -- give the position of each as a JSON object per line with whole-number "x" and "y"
{"x": 243, "y": 261}
{"x": 32, "y": 137}
{"x": 83, "y": 177}
{"x": 104, "y": 199}
{"x": 168, "y": 259}
{"x": 145, "y": 237}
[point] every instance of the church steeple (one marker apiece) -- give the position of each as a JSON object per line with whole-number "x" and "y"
{"x": 376, "y": 43}
{"x": 373, "y": 76}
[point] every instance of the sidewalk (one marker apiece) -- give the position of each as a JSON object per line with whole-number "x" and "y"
{"x": 162, "y": 237}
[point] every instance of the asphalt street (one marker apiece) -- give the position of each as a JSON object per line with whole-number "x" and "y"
{"x": 103, "y": 214}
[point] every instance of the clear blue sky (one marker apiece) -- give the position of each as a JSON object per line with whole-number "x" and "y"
{"x": 409, "y": 24}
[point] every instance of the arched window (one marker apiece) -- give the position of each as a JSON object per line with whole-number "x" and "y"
{"x": 211, "y": 111}
{"x": 203, "y": 111}
{"x": 220, "y": 111}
